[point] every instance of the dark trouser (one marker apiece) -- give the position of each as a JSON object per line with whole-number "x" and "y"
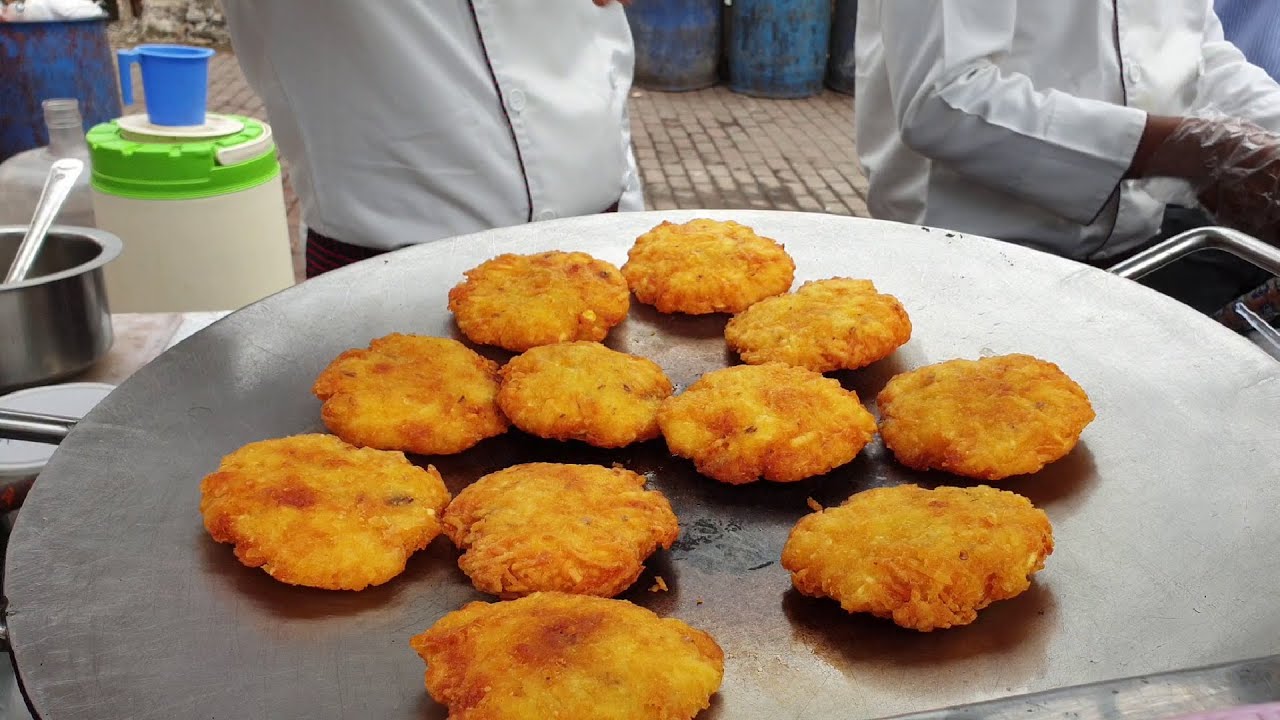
{"x": 1207, "y": 281}
{"x": 325, "y": 254}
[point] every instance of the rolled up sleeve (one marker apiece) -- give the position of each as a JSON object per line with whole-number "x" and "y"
{"x": 957, "y": 106}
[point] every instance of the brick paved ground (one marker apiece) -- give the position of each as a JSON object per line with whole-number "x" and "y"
{"x": 716, "y": 149}
{"x": 705, "y": 149}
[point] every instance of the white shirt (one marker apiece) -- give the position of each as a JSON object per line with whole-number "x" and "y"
{"x": 1017, "y": 119}
{"x": 409, "y": 121}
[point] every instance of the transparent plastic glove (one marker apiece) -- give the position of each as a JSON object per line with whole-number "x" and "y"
{"x": 1233, "y": 167}
{"x": 1240, "y": 189}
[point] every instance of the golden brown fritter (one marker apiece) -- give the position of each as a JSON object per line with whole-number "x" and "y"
{"x": 552, "y": 655}
{"x": 313, "y": 510}
{"x": 986, "y": 419}
{"x": 836, "y": 324}
{"x": 522, "y": 301}
{"x": 582, "y": 529}
{"x": 706, "y": 266}
{"x": 584, "y": 391}
{"x": 770, "y": 421}
{"x": 426, "y": 395}
{"x": 925, "y": 559}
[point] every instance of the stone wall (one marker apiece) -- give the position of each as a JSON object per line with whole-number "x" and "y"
{"x": 195, "y": 22}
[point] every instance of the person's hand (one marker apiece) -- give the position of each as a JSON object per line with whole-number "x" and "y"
{"x": 1242, "y": 188}
{"x": 1233, "y": 165}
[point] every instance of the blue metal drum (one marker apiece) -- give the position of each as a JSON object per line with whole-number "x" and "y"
{"x": 677, "y": 43}
{"x": 43, "y": 60}
{"x": 841, "y": 65}
{"x": 778, "y": 48}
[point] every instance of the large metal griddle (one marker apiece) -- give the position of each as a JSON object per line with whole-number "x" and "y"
{"x": 120, "y": 606}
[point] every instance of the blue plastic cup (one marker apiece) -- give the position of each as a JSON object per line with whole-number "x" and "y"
{"x": 175, "y": 79}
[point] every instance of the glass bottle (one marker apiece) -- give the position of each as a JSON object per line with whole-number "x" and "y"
{"x": 22, "y": 176}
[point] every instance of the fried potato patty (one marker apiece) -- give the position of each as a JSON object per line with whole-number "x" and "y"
{"x": 706, "y": 266}
{"x": 552, "y": 655}
{"x": 582, "y": 529}
{"x": 584, "y": 391}
{"x": 426, "y": 395}
{"x": 522, "y": 301}
{"x": 986, "y": 419}
{"x": 925, "y": 559}
{"x": 770, "y": 421}
{"x": 836, "y": 324}
{"x": 313, "y": 510}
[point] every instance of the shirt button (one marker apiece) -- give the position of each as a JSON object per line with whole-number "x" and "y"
{"x": 515, "y": 101}
{"x": 546, "y": 215}
{"x": 1135, "y": 75}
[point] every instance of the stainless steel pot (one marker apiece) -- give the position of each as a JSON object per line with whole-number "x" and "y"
{"x": 57, "y": 322}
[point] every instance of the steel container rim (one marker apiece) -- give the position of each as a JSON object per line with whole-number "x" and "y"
{"x": 109, "y": 248}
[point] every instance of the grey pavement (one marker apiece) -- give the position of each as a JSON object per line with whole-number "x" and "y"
{"x": 717, "y": 149}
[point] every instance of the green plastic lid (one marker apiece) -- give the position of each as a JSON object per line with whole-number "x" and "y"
{"x": 181, "y": 169}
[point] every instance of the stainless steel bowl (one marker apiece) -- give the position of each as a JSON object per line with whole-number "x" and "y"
{"x": 56, "y": 323}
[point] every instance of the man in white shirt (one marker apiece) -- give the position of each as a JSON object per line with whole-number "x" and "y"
{"x": 1040, "y": 123}
{"x": 410, "y": 121}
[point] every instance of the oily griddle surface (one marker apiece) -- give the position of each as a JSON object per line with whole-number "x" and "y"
{"x": 122, "y": 607}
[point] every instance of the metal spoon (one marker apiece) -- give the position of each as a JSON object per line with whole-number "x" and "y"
{"x": 62, "y": 177}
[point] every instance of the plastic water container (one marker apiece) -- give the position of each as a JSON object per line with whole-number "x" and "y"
{"x": 195, "y": 197}
{"x": 202, "y": 218}
{"x": 176, "y": 80}
{"x": 22, "y": 177}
